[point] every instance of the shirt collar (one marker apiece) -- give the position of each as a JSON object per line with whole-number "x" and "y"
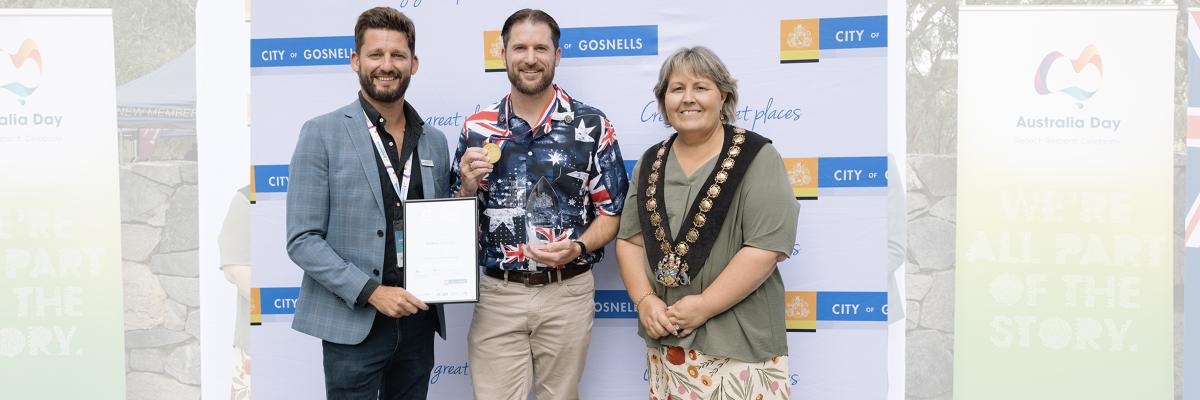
{"x": 412, "y": 119}
{"x": 558, "y": 109}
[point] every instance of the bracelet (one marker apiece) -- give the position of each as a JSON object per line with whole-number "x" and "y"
{"x": 640, "y": 299}
{"x": 582, "y": 247}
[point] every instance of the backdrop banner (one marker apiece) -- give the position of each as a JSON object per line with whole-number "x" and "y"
{"x": 811, "y": 76}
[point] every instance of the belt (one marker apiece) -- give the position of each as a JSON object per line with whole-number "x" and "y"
{"x": 537, "y": 278}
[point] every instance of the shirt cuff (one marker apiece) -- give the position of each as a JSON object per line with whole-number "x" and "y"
{"x": 366, "y": 293}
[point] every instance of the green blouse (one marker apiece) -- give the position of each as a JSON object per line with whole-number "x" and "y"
{"x": 763, "y": 215}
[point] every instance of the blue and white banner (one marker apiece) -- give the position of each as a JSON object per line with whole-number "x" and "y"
{"x": 300, "y": 52}
{"x": 270, "y": 178}
{"x": 812, "y": 76}
{"x": 854, "y": 32}
{"x": 610, "y": 41}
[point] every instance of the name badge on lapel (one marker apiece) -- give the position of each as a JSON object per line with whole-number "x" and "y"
{"x": 563, "y": 116}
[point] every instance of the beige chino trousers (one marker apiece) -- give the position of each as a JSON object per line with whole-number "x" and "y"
{"x": 520, "y": 330}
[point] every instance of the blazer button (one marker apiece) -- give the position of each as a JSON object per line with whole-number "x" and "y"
{"x": 379, "y": 233}
{"x": 376, "y": 272}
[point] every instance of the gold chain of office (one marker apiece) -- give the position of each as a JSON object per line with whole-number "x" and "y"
{"x": 673, "y": 267}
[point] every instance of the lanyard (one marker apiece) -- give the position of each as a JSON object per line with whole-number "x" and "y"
{"x": 401, "y": 187}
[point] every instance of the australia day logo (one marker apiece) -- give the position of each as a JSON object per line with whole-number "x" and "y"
{"x": 21, "y": 76}
{"x": 1078, "y": 78}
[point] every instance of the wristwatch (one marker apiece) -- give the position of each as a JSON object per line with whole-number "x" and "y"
{"x": 582, "y": 247}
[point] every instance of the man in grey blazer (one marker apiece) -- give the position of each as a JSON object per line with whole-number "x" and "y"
{"x": 350, "y": 172}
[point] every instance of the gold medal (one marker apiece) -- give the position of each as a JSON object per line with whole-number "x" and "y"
{"x": 493, "y": 152}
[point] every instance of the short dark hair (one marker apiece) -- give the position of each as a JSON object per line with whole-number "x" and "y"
{"x": 385, "y": 18}
{"x": 534, "y": 17}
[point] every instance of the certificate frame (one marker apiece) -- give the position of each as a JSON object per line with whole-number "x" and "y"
{"x": 456, "y": 222}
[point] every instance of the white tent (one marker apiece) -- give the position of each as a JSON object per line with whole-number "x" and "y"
{"x": 162, "y": 99}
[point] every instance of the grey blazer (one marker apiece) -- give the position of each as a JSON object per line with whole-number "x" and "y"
{"x": 335, "y": 219}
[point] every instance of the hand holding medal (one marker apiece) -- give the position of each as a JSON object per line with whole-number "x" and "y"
{"x": 476, "y": 163}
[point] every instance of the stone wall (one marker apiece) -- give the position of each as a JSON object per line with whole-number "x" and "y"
{"x": 159, "y": 200}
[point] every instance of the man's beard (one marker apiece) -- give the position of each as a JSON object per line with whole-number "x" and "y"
{"x": 384, "y": 96}
{"x": 530, "y": 88}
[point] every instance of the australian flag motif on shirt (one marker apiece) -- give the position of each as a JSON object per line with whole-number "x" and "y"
{"x": 573, "y": 146}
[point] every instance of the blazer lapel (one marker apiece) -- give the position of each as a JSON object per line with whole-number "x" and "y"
{"x": 425, "y": 151}
{"x": 356, "y": 128}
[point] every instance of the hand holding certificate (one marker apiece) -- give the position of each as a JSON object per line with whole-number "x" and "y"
{"x": 440, "y": 263}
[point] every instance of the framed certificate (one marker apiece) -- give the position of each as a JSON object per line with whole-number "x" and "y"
{"x": 440, "y": 255}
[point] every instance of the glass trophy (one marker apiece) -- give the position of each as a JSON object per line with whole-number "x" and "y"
{"x": 541, "y": 217}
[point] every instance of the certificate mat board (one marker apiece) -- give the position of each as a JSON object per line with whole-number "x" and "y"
{"x": 440, "y": 262}
{"x": 1064, "y": 276}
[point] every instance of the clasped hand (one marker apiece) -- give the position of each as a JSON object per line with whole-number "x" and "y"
{"x": 679, "y": 319}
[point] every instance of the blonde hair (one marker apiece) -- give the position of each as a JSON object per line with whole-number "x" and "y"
{"x": 702, "y": 62}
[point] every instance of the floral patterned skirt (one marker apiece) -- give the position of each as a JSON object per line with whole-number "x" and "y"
{"x": 687, "y": 374}
{"x": 241, "y": 375}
